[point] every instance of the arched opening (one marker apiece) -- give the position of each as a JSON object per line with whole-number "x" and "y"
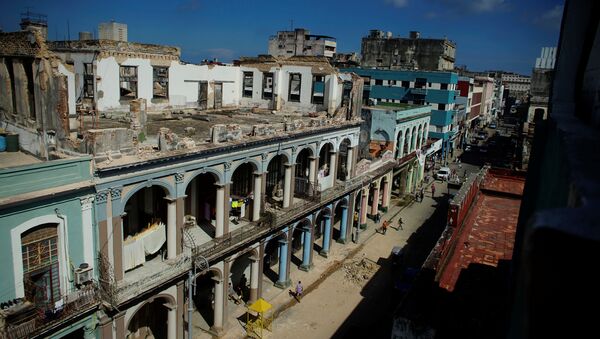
{"x": 271, "y": 259}
{"x": 240, "y": 275}
{"x": 200, "y": 202}
{"x": 325, "y": 160}
{"x": 406, "y": 142}
{"x": 302, "y": 174}
{"x": 319, "y": 229}
{"x": 298, "y": 242}
{"x": 344, "y": 163}
{"x": 41, "y": 272}
{"x": 204, "y": 300}
{"x": 398, "y": 145}
{"x": 144, "y": 226}
{"x": 149, "y": 321}
{"x": 242, "y": 191}
{"x": 337, "y": 218}
{"x": 275, "y": 180}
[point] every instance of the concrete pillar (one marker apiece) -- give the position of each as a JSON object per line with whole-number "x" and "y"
{"x": 106, "y": 327}
{"x": 89, "y": 332}
{"x": 375, "y": 204}
{"x": 363, "y": 208}
{"x": 282, "y": 281}
{"x": 409, "y": 181}
{"x": 179, "y": 215}
{"x": 343, "y": 225}
{"x": 257, "y": 196}
{"x": 120, "y": 329}
{"x": 401, "y": 147}
{"x": 171, "y": 229}
{"x": 219, "y": 301}
{"x": 254, "y": 277}
{"x": 117, "y": 235}
{"x": 333, "y": 165}
{"x": 172, "y": 322}
{"x": 287, "y": 187}
{"x": 326, "y": 235}
{"x": 312, "y": 162}
{"x": 306, "y": 249}
{"x": 220, "y": 211}
{"x": 194, "y": 199}
{"x": 385, "y": 201}
{"x": 349, "y": 164}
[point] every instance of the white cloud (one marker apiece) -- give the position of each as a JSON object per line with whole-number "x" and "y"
{"x": 397, "y": 3}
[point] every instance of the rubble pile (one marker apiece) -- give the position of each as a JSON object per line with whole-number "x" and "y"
{"x": 359, "y": 271}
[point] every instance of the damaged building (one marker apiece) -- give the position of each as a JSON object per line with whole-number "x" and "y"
{"x": 188, "y": 178}
{"x": 382, "y": 50}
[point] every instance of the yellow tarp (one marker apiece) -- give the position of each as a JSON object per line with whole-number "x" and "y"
{"x": 260, "y": 306}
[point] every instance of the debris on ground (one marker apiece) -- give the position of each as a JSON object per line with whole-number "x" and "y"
{"x": 359, "y": 271}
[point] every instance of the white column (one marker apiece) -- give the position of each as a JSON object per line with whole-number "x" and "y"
{"x": 220, "y": 210}
{"x": 254, "y": 276}
{"x": 171, "y": 229}
{"x": 257, "y": 196}
{"x": 88, "y": 232}
{"x": 349, "y": 162}
{"x": 313, "y": 168}
{"x": 332, "y": 164}
{"x": 287, "y": 187}
{"x": 218, "y": 315}
{"x": 194, "y": 199}
{"x": 172, "y": 322}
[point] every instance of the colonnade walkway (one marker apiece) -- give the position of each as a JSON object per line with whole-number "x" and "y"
{"x": 370, "y": 244}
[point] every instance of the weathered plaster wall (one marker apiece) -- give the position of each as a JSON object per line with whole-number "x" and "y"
{"x": 184, "y": 82}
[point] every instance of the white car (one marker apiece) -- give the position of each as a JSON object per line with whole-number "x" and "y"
{"x": 443, "y": 173}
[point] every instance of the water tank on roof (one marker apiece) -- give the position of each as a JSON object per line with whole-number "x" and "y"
{"x": 85, "y": 36}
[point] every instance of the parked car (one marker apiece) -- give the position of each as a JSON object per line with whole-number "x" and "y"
{"x": 492, "y": 125}
{"x": 468, "y": 148}
{"x": 443, "y": 173}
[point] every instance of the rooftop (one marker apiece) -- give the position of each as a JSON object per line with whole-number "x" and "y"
{"x": 14, "y": 159}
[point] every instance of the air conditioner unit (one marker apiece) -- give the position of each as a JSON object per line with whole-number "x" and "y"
{"x": 83, "y": 275}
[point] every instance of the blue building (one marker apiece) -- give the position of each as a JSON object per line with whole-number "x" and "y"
{"x": 436, "y": 89}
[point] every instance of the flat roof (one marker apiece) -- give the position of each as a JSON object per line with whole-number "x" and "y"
{"x": 15, "y": 159}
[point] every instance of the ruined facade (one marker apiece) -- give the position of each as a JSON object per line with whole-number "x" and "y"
{"x": 381, "y": 50}
{"x": 300, "y": 42}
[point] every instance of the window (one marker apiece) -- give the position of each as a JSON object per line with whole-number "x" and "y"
{"x": 267, "y": 86}
{"x": 392, "y": 82}
{"x": 406, "y": 84}
{"x": 420, "y": 82}
{"x": 443, "y": 86}
{"x": 318, "y": 93}
{"x": 88, "y": 80}
{"x": 378, "y": 82}
{"x": 441, "y": 107}
{"x": 367, "y": 80}
{"x": 160, "y": 82}
{"x": 295, "y": 87}
{"x": 39, "y": 250}
{"x": 248, "y": 83}
{"x": 128, "y": 82}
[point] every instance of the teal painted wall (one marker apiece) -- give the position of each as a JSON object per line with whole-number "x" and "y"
{"x": 441, "y": 118}
{"x": 31, "y": 178}
{"x": 69, "y": 206}
{"x": 383, "y": 74}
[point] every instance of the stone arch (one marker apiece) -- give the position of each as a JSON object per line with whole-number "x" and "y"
{"x": 168, "y": 188}
{"x": 342, "y": 140}
{"x": 309, "y": 147}
{"x": 135, "y": 309}
{"x": 305, "y": 221}
{"x": 215, "y": 270}
{"x": 219, "y": 176}
{"x": 284, "y": 154}
{"x": 326, "y": 142}
{"x": 250, "y": 160}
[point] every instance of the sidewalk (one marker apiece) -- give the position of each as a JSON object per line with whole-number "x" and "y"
{"x": 372, "y": 245}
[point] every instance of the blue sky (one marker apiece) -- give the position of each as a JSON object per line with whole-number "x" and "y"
{"x": 490, "y": 34}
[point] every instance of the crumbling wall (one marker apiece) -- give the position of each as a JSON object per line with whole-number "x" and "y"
{"x": 6, "y": 104}
{"x": 223, "y": 133}
{"x": 108, "y": 143}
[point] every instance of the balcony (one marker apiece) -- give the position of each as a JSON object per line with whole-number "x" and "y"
{"x": 26, "y": 320}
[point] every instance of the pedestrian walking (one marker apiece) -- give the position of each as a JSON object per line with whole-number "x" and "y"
{"x": 422, "y": 193}
{"x": 400, "y": 222}
{"x": 299, "y": 290}
{"x": 432, "y": 190}
{"x": 377, "y": 218}
{"x": 384, "y": 227}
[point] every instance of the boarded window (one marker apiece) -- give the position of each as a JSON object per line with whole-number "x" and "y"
{"x": 318, "y": 94}
{"x": 39, "y": 249}
{"x": 248, "y": 84}
{"x": 267, "y": 86}
{"x": 88, "y": 80}
{"x": 378, "y": 82}
{"x": 443, "y": 86}
{"x": 160, "y": 84}
{"x": 295, "y": 87}
{"x": 406, "y": 84}
{"x": 420, "y": 83}
{"x": 128, "y": 81}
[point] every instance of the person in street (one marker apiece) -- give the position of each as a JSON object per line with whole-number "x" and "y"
{"x": 384, "y": 226}
{"x": 299, "y": 291}
{"x": 377, "y": 218}
{"x": 356, "y": 218}
{"x": 432, "y": 190}
{"x": 233, "y": 294}
{"x": 400, "y": 222}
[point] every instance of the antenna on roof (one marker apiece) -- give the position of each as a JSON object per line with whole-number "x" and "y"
{"x": 68, "y": 30}
{"x": 291, "y": 24}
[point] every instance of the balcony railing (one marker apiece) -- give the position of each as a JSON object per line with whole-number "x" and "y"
{"x": 27, "y": 319}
